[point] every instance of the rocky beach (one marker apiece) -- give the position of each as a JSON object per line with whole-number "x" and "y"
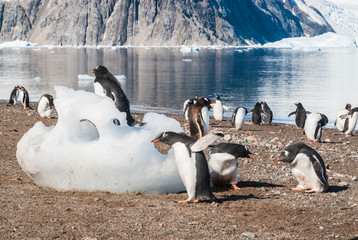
{"x": 265, "y": 207}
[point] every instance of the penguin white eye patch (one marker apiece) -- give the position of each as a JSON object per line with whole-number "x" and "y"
{"x": 286, "y": 152}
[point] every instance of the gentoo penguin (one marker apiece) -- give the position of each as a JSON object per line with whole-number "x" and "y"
{"x": 342, "y": 123}
{"x": 256, "y": 114}
{"x": 223, "y": 163}
{"x": 24, "y": 98}
{"x": 188, "y": 104}
{"x": 351, "y": 118}
{"x": 45, "y": 106}
{"x": 218, "y": 109}
{"x": 266, "y": 113}
{"x": 198, "y": 126}
{"x": 313, "y": 126}
{"x": 105, "y": 84}
{"x": 238, "y": 118}
{"x": 191, "y": 163}
{"x": 14, "y": 95}
{"x": 307, "y": 167}
{"x": 301, "y": 115}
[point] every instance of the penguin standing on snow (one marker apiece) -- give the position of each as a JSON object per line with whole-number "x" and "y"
{"x": 238, "y": 118}
{"x": 266, "y": 113}
{"x": 45, "y": 107}
{"x": 301, "y": 115}
{"x": 198, "y": 126}
{"x": 307, "y": 167}
{"x": 14, "y": 95}
{"x": 351, "y": 121}
{"x": 191, "y": 163}
{"x": 256, "y": 114}
{"x": 313, "y": 126}
{"x": 218, "y": 109}
{"x": 105, "y": 84}
{"x": 223, "y": 164}
{"x": 24, "y": 98}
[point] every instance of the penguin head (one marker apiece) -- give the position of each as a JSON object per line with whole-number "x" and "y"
{"x": 299, "y": 105}
{"x": 348, "y": 106}
{"x": 290, "y": 152}
{"x": 171, "y": 138}
{"x": 99, "y": 70}
{"x": 218, "y": 97}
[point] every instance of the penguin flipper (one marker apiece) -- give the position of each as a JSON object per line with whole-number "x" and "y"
{"x": 344, "y": 116}
{"x": 319, "y": 169}
{"x": 205, "y": 141}
{"x": 292, "y": 113}
{"x": 225, "y": 108}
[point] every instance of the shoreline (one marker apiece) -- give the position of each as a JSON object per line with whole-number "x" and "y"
{"x": 265, "y": 206}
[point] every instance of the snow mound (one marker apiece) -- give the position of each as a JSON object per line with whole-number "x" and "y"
{"x": 17, "y": 44}
{"x": 327, "y": 40}
{"x": 86, "y": 150}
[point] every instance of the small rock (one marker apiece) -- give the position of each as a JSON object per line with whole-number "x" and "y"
{"x": 343, "y": 184}
{"x": 249, "y": 234}
{"x": 227, "y": 137}
{"x": 354, "y": 178}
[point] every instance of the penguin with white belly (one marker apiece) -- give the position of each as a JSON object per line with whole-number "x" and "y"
{"x": 14, "y": 95}
{"x": 24, "y": 98}
{"x": 343, "y": 123}
{"x": 223, "y": 164}
{"x": 218, "y": 109}
{"x": 307, "y": 167}
{"x": 191, "y": 163}
{"x": 351, "y": 117}
{"x": 105, "y": 84}
{"x": 313, "y": 126}
{"x": 238, "y": 118}
{"x": 45, "y": 107}
{"x": 301, "y": 115}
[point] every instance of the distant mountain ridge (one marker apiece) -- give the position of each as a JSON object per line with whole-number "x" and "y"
{"x": 158, "y": 22}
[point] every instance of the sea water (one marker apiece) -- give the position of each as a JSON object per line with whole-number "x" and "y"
{"x": 161, "y": 79}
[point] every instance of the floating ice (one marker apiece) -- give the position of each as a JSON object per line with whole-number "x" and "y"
{"x": 17, "y": 43}
{"x": 85, "y": 150}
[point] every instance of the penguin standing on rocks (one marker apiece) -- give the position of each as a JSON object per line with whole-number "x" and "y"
{"x": 267, "y": 114}
{"x": 256, "y": 114}
{"x": 205, "y": 114}
{"x": 191, "y": 163}
{"x": 105, "y": 84}
{"x": 218, "y": 109}
{"x": 14, "y": 95}
{"x": 307, "y": 167}
{"x": 313, "y": 126}
{"x": 45, "y": 107}
{"x": 351, "y": 121}
{"x": 198, "y": 126}
{"x": 301, "y": 115}
{"x": 238, "y": 118}
{"x": 223, "y": 164}
{"x": 342, "y": 123}
{"x": 24, "y": 98}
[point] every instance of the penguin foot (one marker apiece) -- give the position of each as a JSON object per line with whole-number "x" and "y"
{"x": 190, "y": 201}
{"x": 310, "y": 191}
{"x": 297, "y": 189}
{"x": 234, "y": 186}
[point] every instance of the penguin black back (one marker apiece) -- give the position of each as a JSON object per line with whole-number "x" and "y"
{"x": 113, "y": 90}
{"x": 301, "y": 115}
{"x": 256, "y": 114}
{"x": 237, "y": 150}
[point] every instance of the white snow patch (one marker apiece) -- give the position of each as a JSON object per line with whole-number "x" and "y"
{"x": 97, "y": 154}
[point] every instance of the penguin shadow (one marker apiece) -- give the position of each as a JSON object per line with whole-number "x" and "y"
{"x": 335, "y": 189}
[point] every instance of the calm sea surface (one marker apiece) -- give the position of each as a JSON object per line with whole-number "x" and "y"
{"x": 161, "y": 79}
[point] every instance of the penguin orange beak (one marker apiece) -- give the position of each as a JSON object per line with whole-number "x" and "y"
{"x": 250, "y": 155}
{"x": 276, "y": 160}
{"x": 91, "y": 71}
{"x": 155, "y": 140}
{"x": 212, "y": 102}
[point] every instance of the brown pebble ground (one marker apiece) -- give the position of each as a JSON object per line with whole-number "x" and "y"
{"x": 264, "y": 208}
